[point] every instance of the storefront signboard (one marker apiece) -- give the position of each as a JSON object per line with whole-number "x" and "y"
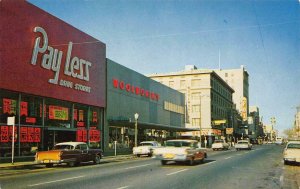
{"x": 47, "y": 57}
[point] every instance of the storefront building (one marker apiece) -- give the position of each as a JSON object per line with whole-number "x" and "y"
{"x": 52, "y": 79}
{"x": 160, "y": 109}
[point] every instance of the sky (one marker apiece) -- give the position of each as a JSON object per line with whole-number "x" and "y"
{"x": 161, "y": 36}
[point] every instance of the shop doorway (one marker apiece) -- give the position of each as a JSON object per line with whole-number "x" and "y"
{"x": 52, "y": 137}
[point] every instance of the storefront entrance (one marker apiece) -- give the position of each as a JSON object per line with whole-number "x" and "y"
{"x": 53, "y": 137}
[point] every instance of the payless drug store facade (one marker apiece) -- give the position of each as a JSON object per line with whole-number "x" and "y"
{"x": 52, "y": 79}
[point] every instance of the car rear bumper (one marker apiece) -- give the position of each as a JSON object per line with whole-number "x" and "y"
{"x": 290, "y": 159}
{"x": 172, "y": 157}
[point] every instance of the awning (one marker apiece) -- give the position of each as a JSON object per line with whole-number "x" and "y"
{"x": 144, "y": 125}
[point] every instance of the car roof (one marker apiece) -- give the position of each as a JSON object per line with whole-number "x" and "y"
{"x": 149, "y": 142}
{"x": 183, "y": 140}
{"x": 70, "y": 143}
{"x": 294, "y": 142}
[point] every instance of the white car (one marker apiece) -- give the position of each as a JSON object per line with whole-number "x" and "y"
{"x": 180, "y": 150}
{"x": 292, "y": 152}
{"x": 243, "y": 145}
{"x": 145, "y": 148}
{"x": 220, "y": 145}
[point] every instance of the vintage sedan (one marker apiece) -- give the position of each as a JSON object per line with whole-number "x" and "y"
{"x": 145, "y": 148}
{"x": 292, "y": 152}
{"x": 243, "y": 145}
{"x": 180, "y": 150}
{"x": 71, "y": 153}
{"x": 220, "y": 144}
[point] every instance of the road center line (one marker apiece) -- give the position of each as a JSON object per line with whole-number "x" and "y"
{"x": 138, "y": 166}
{"x": 42, "y": 183}
{"x": 228, "y": 157}
{"x": 176, "y": 172}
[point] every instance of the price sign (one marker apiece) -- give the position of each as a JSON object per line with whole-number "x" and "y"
{"x": 4, "y": 133}
{"x": 37, "y": 134}
{"x": 23, "y": 134}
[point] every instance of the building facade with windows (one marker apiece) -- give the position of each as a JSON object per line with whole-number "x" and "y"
{"x": 160, "y": 109}
{"x": 208, "y": 100}
{"x": 51, "y": 80}
{"x": 57, "y": 83}
{"x": 238, "y": 80}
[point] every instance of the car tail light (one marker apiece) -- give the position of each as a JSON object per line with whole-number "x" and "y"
{"x": 60, "y": 154}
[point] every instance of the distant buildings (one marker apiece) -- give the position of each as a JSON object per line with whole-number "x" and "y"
{"x": 217, "y": 100}
{"x": 208, "y": 97}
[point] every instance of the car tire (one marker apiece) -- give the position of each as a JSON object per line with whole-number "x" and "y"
{"x": 163, "y": 162}
{"x": 97, "y": 159}
{"x": 71, "y": 164}
{"x": 285, "y": 162}
{"x": 49, "y": 165}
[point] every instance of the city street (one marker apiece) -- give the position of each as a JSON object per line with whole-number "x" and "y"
{"x": 262, "y": 167}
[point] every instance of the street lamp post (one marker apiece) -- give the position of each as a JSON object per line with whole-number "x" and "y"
{"x": 136, "y": 117}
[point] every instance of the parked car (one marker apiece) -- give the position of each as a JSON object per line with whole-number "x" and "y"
{"x": 180, "y": 150}
{"x": 243, "y": 145}
{"x": 71, "y": 153}
{"x": 220, "y": 145}
{"x": 292, "y": 152}
{"x": 145, "y": 148}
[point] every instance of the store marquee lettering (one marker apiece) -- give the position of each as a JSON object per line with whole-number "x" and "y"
{"x": 52, "y": 58}
{"x": 135, "y": 89}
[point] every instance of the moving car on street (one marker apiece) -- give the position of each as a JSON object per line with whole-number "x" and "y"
{"x": 243, "y": 145}
{"x": 180, "y": 150}
{"x": 145, "y": 148}
{"x": 292, "y": 152}
{"x": 220, "y": 144}
{"x": 71, "y": 153}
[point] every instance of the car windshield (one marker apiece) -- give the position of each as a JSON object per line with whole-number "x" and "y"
{"x": 63, "y": 147}
{"x": 146, "y": 144}
{"x": 218, "y": 141}
{"x": 178, "y": 143}
{"x": 242, "y": 142}
{"x": 293, "y": 146}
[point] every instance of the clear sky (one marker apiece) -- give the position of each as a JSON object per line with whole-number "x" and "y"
{"x": 159, "y": 36}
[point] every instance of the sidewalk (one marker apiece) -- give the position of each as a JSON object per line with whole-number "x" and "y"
{"x": 24, "y": 164}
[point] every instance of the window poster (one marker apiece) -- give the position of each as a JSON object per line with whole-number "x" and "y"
{"x": 30, "y": 134}
{"x": 58, "y": 113}
{"x": 4, "y": 134}
{"x": 75, "y": 114}
{"x": 81, "y": 135}
{"x": 95, "y": 117}
{"x": 24, "y": 108}
{"x": 23, "y": 134}
{"x": 10, "y": 133}
{"x": 37, "y": 134}
{"x": 9, "y": 106}
{"x": 94, "y": 135}
{"x": 81, "y": 112}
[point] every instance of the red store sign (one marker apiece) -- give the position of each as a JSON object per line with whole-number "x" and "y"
{"x": 135, "y": 89}
{"x": 49, "y": 57}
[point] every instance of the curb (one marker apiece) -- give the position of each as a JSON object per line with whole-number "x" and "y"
{"x": 17, "y": 165}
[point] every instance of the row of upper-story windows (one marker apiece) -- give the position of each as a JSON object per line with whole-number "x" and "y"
{"x": 217, "y": 86}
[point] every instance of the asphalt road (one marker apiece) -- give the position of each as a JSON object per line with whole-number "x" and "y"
{"x": 261, "y": 167}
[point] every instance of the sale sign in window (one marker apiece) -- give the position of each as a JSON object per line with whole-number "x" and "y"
{"x": 9, "y": 106}
{"x": 58, "y": 113}
{"x": 24, "y": 108}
